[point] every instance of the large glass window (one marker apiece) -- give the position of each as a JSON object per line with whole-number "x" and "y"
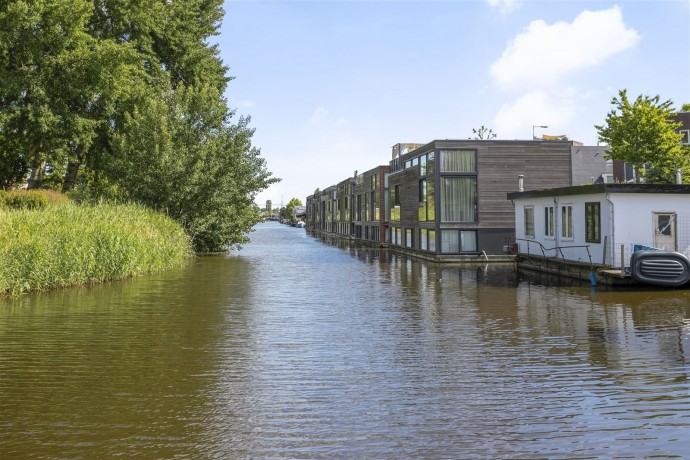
{"x": 432, "y": 240}
{"x": 593, "y": 222}
{"x": 450, "y": 241}
{"x": 549, "y": 221}
{"x": 365, "y": 215}
{"x": 459, "y": 161}
{"x": 430, "y": 202}
{"x": 408, "y": 238}
{"x": 455, "y": 241}
{"x": 468, "y": 239}
{"x": 567, "y": 221}
{"x": 375, "y": 205}
{"x": 423, "y": 239}
{"x": 427, "y": 210}
{"x": 458, "y": 199}
{"x": 395, "y": 203}
{"x": 422, "y": 198}
{"x": 374, "y": 184}
{"x": 529, "y": 221}
{"x": 422, "y": 165}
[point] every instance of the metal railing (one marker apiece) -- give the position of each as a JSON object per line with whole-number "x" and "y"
{"x": 559, "y": 249}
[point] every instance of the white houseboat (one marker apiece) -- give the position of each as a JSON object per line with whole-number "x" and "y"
{"x": 592, "y": 231}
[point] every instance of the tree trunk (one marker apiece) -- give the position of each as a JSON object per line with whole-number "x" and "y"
{"x": 638, "y": 170}
{"x": 37, "y": 173}
{"x": 70, "y": 176}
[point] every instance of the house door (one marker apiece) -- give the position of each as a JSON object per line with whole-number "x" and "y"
{"x": 665, "y": 231}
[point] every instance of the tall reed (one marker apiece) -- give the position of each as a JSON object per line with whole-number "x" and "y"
{"x": 71, "y": 244}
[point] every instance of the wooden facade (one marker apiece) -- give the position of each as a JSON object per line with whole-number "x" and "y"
{"x": 445, "y": 200}
{"x": 369, "y": 212}
{"x": 466, "y": 185}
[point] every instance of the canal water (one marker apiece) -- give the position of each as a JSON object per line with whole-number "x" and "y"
{"x": 295, "y": 347}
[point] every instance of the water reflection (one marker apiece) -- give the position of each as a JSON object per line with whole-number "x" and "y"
{"x": 298, "y": 347}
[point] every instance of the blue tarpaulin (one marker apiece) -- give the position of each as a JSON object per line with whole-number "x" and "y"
{"x": 641, "y": 247}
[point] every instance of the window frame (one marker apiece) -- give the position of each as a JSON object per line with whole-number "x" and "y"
{"x": 528, "y": 216}
{"x": 685, "y": 139}
{"x": 474, "y": 218}
{"x": 593, "y": 222}
{"x": 567, "y": 228}
{"x": 550, "y": 222}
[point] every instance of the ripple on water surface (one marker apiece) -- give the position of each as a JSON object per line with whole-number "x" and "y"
{"x": 298, "y": 348}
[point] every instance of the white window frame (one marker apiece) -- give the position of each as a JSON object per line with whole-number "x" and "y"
{"x": 529, "y": 221}
{"x": 567, "y": 227}
{"x": 550, "y": 222}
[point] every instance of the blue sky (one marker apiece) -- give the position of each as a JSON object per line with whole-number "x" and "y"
{"x": 332, "y": 85}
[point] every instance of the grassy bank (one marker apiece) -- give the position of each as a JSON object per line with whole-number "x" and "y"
{"x": 69, "y": 244}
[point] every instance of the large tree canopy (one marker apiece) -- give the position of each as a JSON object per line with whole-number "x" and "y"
{"x": 125, "y": 99}
{"x": 644, "y": 134}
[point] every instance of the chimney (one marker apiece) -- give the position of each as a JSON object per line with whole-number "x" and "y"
{"x": 521, "y": 183}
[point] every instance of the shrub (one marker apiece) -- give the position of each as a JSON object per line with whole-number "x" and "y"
{"x": 73, "y": 244}
{"x": 23, "y": 199}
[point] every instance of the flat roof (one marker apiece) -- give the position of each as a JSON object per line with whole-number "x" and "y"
{"x": 602, "y": 188}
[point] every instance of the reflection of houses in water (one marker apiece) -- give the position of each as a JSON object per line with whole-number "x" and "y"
{"x": 623, "y": 331}
{"x": 626, "y": 335}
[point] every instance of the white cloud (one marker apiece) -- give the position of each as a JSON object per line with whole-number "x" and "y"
{"x": 542, "y": 54}
{"x": 504, "y": 6}
{"x": 246, "y": 103}
{"x": 318, "y": 116}
{"x": 557, "y": 110}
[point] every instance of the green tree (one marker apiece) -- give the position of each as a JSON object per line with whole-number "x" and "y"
{"x": 643, "y": 134}
{"x": 483, "y": 133}
{"x": 685, "y": 108}
{"x": 60, "y": 86}
{"x": 180, "y": 156}
{"x": 290, "y": 208}
{"x": 124, "y": 99}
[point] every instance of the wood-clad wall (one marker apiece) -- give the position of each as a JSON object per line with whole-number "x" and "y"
{"x": 543, "y": 165}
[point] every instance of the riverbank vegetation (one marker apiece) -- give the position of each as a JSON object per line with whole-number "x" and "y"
{"x": 125, "y": 102}
{"x": 61, "y": 243}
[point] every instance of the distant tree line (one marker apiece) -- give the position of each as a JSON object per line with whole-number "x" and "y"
{"x": 124, "y": 100}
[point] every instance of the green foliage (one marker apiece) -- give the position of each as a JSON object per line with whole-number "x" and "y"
{"x": 23, "y": 199}
{"x": 483, "y": 133}
{"x": 290, "y": 208}
{"x": 124, "y": 100}
{"x": 685, "y": 108}
{"x": 73, "y": 244}
{"x": 643, "y": 134}
{"x": 180, "y": 157}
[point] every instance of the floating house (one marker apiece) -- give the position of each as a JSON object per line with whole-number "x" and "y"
{"x": 445, "y": 200}
{"x": 577, "y": 231}
{"x": 369, "y": 221}
{"x": 447, "y": 197}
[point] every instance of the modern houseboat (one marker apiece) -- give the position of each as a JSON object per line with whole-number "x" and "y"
{"x": 445, "y": 200}
{"x": 596, "y": 229}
